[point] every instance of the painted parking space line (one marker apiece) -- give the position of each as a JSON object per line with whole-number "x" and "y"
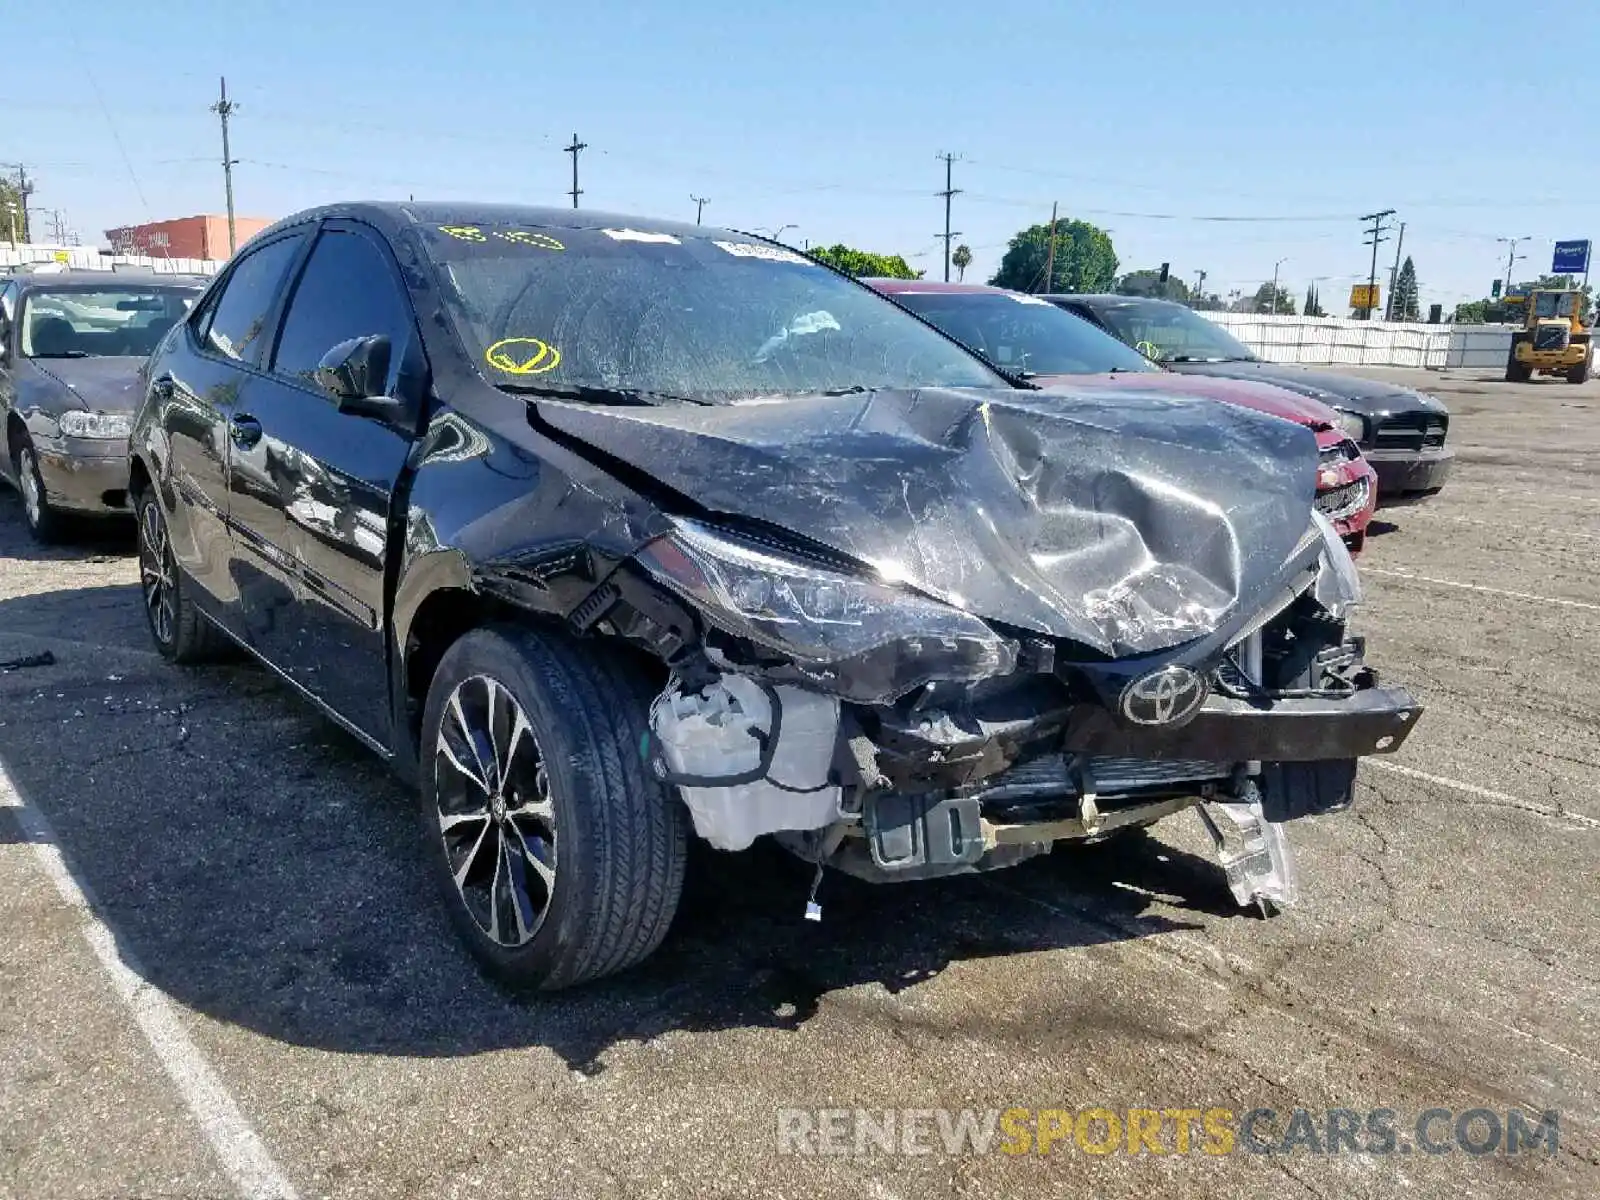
{"x": 1472, "y": 789}
{"x": 1478, "y": 587}
{"x": 238, "y": 1147}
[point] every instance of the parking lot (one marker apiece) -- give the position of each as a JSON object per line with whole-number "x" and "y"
{"x": 300, "y": 1019}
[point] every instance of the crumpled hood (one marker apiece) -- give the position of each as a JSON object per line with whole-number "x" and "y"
{"x": 1372, "y": 397}
{"x": 1263, "y": 397}
{"x": 108, "y": 384}
{"x": 1128, "y": 522}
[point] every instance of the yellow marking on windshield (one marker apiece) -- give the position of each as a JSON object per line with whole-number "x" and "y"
{"x": 525, "y": 237}
{"x": 1148, "y": 349}
{"x": 465, "y": 233}
{"x": 523, "y": 356}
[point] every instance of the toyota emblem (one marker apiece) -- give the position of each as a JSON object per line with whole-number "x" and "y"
{"x": 1169, "y": 696}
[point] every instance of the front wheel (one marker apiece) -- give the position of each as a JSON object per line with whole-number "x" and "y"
{"x": 1517, "y": 372}
{"x": 1580, "y": 373}
{"x": 560, "y": 856}
{"x": 44, "y": 522}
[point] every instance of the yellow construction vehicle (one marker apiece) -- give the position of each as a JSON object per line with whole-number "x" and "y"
{"x": 1553, "y": 339}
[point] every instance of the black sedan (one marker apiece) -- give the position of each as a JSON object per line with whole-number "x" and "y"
{"x": 1400, "y": 430}
{"x": 604, "y": 530}
{"x": 71, "y": 344}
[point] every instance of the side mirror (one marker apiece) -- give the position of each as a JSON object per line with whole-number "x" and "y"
{"x": 355, "y": 372}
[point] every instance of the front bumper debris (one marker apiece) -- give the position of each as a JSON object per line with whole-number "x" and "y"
{"x": 1406, "y": 474}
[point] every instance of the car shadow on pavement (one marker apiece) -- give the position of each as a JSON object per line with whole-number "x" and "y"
{"x": 83, "y": 538}
{"x": 263, "y": 869}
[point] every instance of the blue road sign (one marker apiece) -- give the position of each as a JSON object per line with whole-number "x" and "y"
{"x": 1571, "y": 258}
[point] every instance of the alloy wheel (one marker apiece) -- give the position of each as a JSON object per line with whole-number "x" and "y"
{"x": 28, "y": 476}
{"x": 496, "y": 816}
{"x": 157, "y": 573}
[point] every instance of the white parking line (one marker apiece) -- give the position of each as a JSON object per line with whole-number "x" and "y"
{"x": 242, "y": 1153}
{"x": 1478, "y": 587}
{"x": 1472, "y": 789}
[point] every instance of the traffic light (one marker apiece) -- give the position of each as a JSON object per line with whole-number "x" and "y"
{"x": 1166, "y": 270}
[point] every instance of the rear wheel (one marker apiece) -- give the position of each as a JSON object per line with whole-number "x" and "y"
{"x": 560, "y": 856}
{"x": 44, "y": 522}
{"x": 180, "y": 632}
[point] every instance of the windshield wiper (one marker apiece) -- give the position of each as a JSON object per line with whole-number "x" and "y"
{"x": 63, "y": 354}
{"x": 596, "y": 394}
{"x": 1207, "y": 358}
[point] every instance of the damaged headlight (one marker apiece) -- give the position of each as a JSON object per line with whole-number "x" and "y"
{"x": 1354, "y": 425}
{"x": 859, "y": 639}
{"x": 95, "y": 425}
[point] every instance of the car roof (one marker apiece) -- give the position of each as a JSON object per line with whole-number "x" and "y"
{"x": 1106, "y": 299}
{"x": 901, "y": 287}
{"x": 395, "y": 214}
{"x": 90, "y": 281}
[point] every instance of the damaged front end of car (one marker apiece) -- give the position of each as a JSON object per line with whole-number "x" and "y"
{"x": 1004, "y": 625}
{"x": 894, "y": 737}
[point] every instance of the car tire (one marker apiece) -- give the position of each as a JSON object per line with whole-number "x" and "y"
{"x": 180, "y": 632}
{"x": 45, "y": 524}
{"x": 560, "y": 855}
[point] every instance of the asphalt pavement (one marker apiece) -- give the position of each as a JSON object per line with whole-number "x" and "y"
{"x": 261, "y": 995}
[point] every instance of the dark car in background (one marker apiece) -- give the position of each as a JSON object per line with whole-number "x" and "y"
{"x": 1400, "y": 430}
{"x": 601, "y": 529}
{"x": 1032, "y": 338}
{"x": 71, "y": 344}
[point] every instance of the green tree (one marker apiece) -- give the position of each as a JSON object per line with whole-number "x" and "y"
{"x": 864, "y": 262}
{"x": 961, "y": 260}
{"x": 1405, "y": 305}
{"x": 11, "y": 208}
{"x": 1147, "y": 282}
{"x": 1262, "y": 301}
{"x": 1085, "y": 260}
{"x": 1206, "y": 303}
{"x": 1313, "y": 305}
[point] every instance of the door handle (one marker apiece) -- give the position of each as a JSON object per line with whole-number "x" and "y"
{"x": 245, "y": 431}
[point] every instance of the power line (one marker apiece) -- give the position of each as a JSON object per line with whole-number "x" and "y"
{"x": 949, "y": 193}
{"x": 573, "y": 149}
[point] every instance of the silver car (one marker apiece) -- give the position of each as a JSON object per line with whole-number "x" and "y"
{"x": 71, "y": 347}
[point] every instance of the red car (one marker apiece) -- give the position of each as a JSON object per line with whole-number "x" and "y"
{"x": 1043, "y": 344}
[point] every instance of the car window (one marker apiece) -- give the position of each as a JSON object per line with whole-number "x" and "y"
{"x": 239, "y": 318}
{"x": 8, "y": 300}
{"x": 346, "y": 291}
{"x": 1024, "y": 333}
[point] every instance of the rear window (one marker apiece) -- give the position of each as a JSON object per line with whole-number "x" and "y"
{"x": 1024, "y": 334}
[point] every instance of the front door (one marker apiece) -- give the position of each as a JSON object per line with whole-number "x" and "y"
{"x": 333, "y": 477}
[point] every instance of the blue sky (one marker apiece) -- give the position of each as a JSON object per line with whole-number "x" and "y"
{"x": 828, "y": 115}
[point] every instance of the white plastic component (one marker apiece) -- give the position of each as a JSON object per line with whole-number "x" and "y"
{"x": 1254, "y": 853}
{"x": 712, "y": 735}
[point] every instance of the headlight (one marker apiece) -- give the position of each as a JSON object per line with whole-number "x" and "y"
{"x": 1354, "y": 425}
{"x": 95, "y": 425}
{"x": 860, "y": 639}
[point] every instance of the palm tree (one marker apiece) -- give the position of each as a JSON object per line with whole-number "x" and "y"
{"x": 961, "y": 260}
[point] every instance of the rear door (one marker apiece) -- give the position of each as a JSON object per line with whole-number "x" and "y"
{"x": 200, "y": 384}
{"x": 333, "y": 478}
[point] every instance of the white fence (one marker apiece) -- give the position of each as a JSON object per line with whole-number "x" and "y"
{"x": 1340, "y": 341}
{"x": 81, "y": 258}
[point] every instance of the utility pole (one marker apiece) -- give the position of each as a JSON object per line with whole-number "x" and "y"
{"x": 224, "y": 108}
{"x": 1394, "y": 274}
{"x": 700, "y": 203}
{"x": 1377, "y": 231}
{"x": 1275, "y": 267}
{"x": 1050, "y": 256}
{"x": 1511, "y": 260}
{"x": 948, "y": 193}
{"x": 1199, "y": 284}
{"x": 573, "y": 150}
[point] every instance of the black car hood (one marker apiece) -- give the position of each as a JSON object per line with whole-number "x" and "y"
{"x": 1127, "y": 523}
{"x": 105, "y": 384}
{"x": 1371, "y": 397}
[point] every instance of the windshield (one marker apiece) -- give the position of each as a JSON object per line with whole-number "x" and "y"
{"x": 704, "y": 318}
{"x": 1554, "y": 304}
{"x": 1023, "y": 333}
{"x": 100, "y": 323}
{"x": 1172, "y": 333}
